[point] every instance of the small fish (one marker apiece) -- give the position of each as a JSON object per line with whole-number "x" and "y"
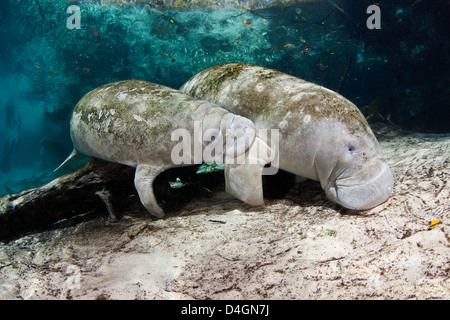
{"x": 264, "y": 20}
{"x": 37, "y": 67}
{"x": 287, "y": 45}
{"x": 171, "y": 21}
{"x": 206, "y": 24}
{"x": 86, "y": 69}
{"x": 246, "y": 22}
{"x": 163, "y": 54}
{"x": 238, "y": 40}
{"x": 273, "y": 48}
{"x": 96, "y": 32}
{"x": 173, "y": 60}
{"x": 306, "y": 50}
{"x": 184, "y": 29}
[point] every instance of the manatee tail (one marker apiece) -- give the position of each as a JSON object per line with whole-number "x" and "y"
{"x": 74, "y": 156}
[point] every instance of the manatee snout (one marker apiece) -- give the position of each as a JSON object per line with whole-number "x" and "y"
{"x": 363, "y": 190}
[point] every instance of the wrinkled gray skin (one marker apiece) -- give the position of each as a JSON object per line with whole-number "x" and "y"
{"x": 131, "y": 122}
{"x": 323, "y": 136}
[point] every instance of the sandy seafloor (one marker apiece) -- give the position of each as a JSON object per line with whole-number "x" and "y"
{"x": 298, "y": 247}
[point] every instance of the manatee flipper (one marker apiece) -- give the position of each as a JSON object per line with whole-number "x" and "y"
{"x": 74, "y": 156}
{"x": 244, "y": 181}
{"x": 143, "y": 181}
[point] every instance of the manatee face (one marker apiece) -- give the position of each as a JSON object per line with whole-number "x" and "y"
{"x": 362, "y": 188}
{"x": 353, "y": 173}
{"x": 240, "y": 135}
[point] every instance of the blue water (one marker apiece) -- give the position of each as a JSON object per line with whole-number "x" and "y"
{"x": 45, "y": 68}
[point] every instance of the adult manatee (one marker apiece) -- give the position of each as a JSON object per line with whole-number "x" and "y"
{"x": 133, "y": 123}
{"x": 322, "y": 135}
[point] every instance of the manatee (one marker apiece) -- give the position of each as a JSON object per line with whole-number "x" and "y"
{"x": 133, "y": 123}
{"x": 322, "y": 135}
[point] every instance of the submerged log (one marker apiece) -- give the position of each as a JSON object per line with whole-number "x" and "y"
{"x": 99, "y": 187}
{"x": 65, "y": 197}
{"x": 108, "y": 188}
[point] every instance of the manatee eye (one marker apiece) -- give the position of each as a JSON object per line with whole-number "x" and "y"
{"x": 213, "y": 138}
{"x": 351, "y": 149}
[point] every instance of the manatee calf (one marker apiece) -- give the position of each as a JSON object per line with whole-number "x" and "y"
{"x": 322, "y": 135}
{"x": 134, "y": 123}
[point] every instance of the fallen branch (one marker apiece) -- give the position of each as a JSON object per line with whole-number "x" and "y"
{"x": 102, "y": 187}
{"x": 345, "y": 74}
{"x": 341, "y": 10}
{"x": 65, "y": 197}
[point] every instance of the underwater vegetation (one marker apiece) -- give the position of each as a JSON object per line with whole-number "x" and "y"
{"x": 400, "y": 72}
